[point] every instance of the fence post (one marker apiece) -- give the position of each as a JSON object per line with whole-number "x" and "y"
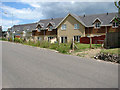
{"x": 90, "y": 42}
{"x": 73, "y": 43}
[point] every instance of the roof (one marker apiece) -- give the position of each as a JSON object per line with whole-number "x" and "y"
{"x": 56, "y": 21}
{"x": 86, "y": 20}
{"x": 29, "y": 27}
{"x": 105, "y": 18}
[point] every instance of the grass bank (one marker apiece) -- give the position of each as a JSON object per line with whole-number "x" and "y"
{"x": 111, "y": 51}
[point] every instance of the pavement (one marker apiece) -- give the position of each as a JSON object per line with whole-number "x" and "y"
{"x": 30, "y": 67}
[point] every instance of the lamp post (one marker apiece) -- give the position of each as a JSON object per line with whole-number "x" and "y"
{"x": 13, "y": 35}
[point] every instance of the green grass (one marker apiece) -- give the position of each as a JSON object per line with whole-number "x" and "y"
{"x": 62, "y": 48}
{"x": 3, "y": 39}
{"x": 111, "y": 51}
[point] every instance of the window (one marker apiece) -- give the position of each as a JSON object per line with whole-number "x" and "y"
{"x": 76, "y": 26}
{"x": 77, "y": 38}
{"x": 63, "y": 39}
{"x": 97, "y": 25}
{"x": 63, "y": 27}
{"x": 39, "y": 38}
{"x": 39, "y": 29}
{"x": 49, "y": 38}
{"x": 115, "y": 24}
{"x": 50, "y": 28}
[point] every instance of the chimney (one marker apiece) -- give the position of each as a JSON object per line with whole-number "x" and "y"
{"x": 84, "y": 15}
{"x": 107, "y": 13}
{"x": 51, "y": 18}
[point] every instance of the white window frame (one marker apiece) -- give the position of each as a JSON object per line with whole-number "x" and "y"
{"x": 78, "y": 38}
{"x": 63, "y": 27}
{"x": 39, "y": 29}
{"x": 115, "y": 25}
{"x": 49, "y": 38}
{"x": 76, "y": 26}
{"x": 50, "y": 28}
{"x": 97, "y": 24}
{"x": 64, "y": 39}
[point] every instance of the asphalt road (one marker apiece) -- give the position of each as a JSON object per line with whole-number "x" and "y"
{"x": 30, "y": 67}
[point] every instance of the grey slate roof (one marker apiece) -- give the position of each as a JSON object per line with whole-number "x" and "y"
{"x": 28, "y": 27}
{"x": 56, "y": 21}
{"x": 86, "y": 21}
{"x": 105, "y": 19}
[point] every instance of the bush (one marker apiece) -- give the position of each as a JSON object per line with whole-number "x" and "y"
{"x": 4, "y": 39}
{"x": 63, "y": 48}
{"x": 54, "y": 46}
{"x": 37, "y": 44}
{"x": 31, "y": 43}
{"x": 44, "y": 44}
{"x": 18, "y": 40}
{"x": 10, "y": 39}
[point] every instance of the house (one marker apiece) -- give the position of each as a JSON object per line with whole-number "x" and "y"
{"x": 72, "y": 27}
{"x": 0, "y": 31}
{"x": 46, "y": 29}
{"x": 4, "y": 33}
{"x": 23, "y": 31}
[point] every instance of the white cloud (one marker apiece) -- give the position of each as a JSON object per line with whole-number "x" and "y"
{"x": 24, "y": 13}
{"x": 7, "y": 23}
{"x": 46, "y": 10}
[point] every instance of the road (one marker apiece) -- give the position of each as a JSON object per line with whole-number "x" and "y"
{"x": 30, "y": 67}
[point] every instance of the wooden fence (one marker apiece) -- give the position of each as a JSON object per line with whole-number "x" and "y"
{"x": 95, "y": 39}
{"x": 112, "y": 40}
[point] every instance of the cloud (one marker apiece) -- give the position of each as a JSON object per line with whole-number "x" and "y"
{"x": 24, "y": 13}
{"x": 7, "y": 23}
{"x": 45, "y": 10}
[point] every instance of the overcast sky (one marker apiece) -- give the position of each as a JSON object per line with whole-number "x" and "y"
{"x": 29, "y": 12}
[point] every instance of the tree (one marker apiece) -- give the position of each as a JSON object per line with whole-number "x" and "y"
{"x": 117, "y": 4}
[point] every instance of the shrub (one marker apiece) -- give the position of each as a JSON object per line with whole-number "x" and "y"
{"x": 10, "y": 39}
{"x": 44, "y": 44}
{"x": 30, "y": 43}
{"x": 63, "y": 48}
{"x": 4, "y": 39}
{"x": 54, "y": 46}
{"x": 17, "y": 40}
{"x": 37, "y": 44}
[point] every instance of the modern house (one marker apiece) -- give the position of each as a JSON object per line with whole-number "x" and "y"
{"x": 46, "y": 29}
{"x": 73, "y": 27}
{"x": 0, "y": 31}
{"x": 22, "y": 31}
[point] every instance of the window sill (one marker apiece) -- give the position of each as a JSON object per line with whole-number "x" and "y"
{"x": 114, "y": 27}
{"x": 76, "y": 29}
{"x": 63, "y": 29}
{"x": 96, "y": 28}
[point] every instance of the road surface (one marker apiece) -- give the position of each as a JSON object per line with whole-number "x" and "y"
{"x": 30, "y": 67}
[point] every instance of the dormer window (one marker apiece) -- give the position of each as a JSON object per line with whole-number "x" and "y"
{"x": 97, "y": 25}
{"x": 115, "y": 24}
{"x": 39, "y": 29}
{"x": 50, "y": 28}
